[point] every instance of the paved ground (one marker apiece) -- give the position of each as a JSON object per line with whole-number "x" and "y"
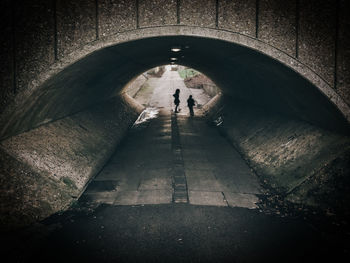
{"x": 174, "y": 158}
{"x": 174, "y": 191}
{"x": 173, "y": 233}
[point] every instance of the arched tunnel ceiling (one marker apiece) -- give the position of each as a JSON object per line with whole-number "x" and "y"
{"x": 241, "y": 73}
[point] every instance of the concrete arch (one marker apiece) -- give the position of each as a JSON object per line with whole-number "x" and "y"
{"x": 164, "y": 31}
{"x": 66, "y": 62}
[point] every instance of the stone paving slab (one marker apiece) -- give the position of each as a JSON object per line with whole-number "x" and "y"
{"x": 105, "y": 185}
{"x": 241, "y": 200}
{"x": 206, "y": 198}
{"x": 127, "y": 198}
{"x": 198, "y": 156}
{"x": 163, "y": 139}
{"x": 157, "y": 172}
{"x": 202, "y": 180}
{"x": 113, "y": 171}
{"x": 153, "y": 163}
{"x": 234, "y": 182}
{"x": 126, "y": 179}
{"x": 228, "y": 184}
{"x": 102, "y": 197}
{"x": 197, "y": 164}
{"x": 146, "y": 197}
{"x": 156, "y": 183}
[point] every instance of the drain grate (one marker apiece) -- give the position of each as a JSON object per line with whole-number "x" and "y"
{"x": 180, "y": 194}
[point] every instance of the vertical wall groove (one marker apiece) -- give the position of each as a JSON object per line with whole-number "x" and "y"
{"x": 257, "y": 19}
{"x": 217, "y": 14}
{"x": 97, "y": 20}
{"x": 137, "y": 14}
{"x": 55, "y": 44}
{"x": 178, "y": 11}
{"x": 336, "y": 46}
{"x": 13, "y": 36}
{"x": 297, "y": 18}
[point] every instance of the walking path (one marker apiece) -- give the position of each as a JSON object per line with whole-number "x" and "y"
{"x": 174, "y": 158}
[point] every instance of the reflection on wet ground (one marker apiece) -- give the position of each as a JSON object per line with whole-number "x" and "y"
{"x": 146, "y": 115}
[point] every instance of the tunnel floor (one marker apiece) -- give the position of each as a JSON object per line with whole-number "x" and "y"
{"x": 174, "y": 191}
{"x": 175, "y": 159}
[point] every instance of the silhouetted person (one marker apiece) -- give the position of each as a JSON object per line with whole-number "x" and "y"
{"x": 176, "y": 100}
{"x": 190, "y": 104}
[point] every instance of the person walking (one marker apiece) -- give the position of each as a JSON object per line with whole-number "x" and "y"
{"x": 190, "y": 104}
{"x": 176, "y": 100}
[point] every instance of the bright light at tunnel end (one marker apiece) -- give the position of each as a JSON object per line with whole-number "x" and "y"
{"x": 175, "y": 49}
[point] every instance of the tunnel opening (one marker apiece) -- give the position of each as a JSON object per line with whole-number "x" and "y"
{"x": 285, "y": 128}
{"x": 148, "y": 88}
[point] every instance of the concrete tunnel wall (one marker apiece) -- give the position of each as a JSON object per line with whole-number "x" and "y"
{"x": 299, "y": 163}
{"x": 63, "y": 62}
{"x": 45, "y": 169}
{"x": 41, "y": 38}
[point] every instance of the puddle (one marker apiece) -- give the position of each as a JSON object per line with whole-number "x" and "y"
{"x": 146, "y": 115}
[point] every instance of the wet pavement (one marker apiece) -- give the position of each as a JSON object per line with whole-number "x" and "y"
{"x": 174, "y": 191}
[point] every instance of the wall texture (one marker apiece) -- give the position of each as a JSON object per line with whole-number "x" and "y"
{"x": 302, "y": 163}
{"x": 45, "y": 169}
{"x": 37, "y": 34}
{"x": 134, "y": 86}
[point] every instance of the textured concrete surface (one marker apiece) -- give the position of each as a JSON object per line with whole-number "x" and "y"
{"x": 198, "y": 12}
{"x": 28, "y": 196}
{"x": 317, "y": 36}
{"x": 72, "y": 91}
{"x": 74, "y": 147}
{"x": 277, "y": 24}
{"x": 68, "y": 151}
{"x": 74, "y": 30}
{"x": 34, "y": 23}
{"x": 135, "y": 85}
{"x": 343, "y": 53}
{"x": 150, "y": 13}
{"x": 238, "y": 16}
{"x": 115, "y": 16}
{"x": 298, "y": 160}
{"x": 215, "y": 172}
{"x": 6, "y": 56}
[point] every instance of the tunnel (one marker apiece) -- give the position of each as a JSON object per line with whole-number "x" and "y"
{"x": 104, "y": 73}
{"x": 59, "y": 134}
